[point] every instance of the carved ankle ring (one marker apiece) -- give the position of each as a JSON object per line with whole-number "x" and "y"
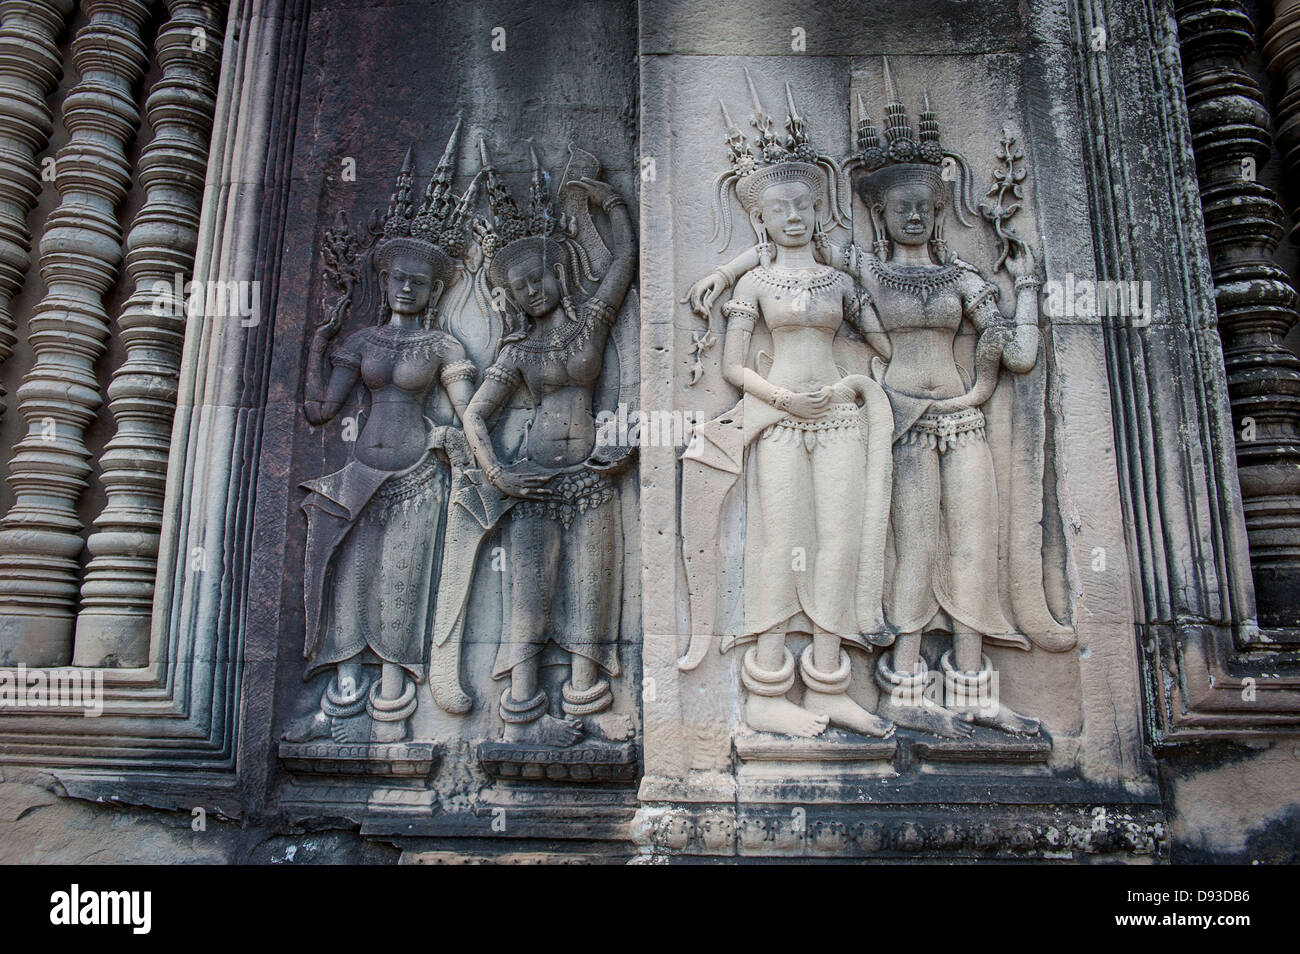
{"x": 589, "y": 701}
{"x": 767, "y": 682}
{"x": 966, "y": 690}
{"x": 391, "y": 710}
{"x": 906, "y": 689}
{"x": 338, "y": 706}
{"x": 517, "y": 713}
{"x": 830, "y": 683}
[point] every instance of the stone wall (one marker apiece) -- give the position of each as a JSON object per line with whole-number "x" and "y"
{"x": 654, "y": 431}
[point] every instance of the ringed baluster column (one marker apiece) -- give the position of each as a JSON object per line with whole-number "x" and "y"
{"x": 40, "y": 537}
{"x": 1254, "y": 298}
{"x": 117, "y": 592}
{"x": 29, "y": 70}
{"x": 1282, "y": 51}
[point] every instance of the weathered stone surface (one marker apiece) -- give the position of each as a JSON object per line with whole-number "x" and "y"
{"x": 447, "y": 572}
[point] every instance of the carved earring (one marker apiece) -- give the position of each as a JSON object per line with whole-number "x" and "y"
{"x": 938, "y": 244}
{"x": 880, "y": 243}
{"x": 430, "y": 316}
{"x": 566, "y": 300}
{"x": 766, "y": 251}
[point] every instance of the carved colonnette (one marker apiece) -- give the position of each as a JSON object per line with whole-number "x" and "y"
{"x": 1211, "y": 670}
{"x": 40, "y": 539}
{"x": 117, "y": 591}
{"x": 169, "y": 731}
{"x": 1254, "y": 297}
{"x": 1281, "y": 50}
{"x": 29, "y": 69}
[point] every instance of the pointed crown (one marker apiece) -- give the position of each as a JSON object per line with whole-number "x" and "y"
{"x": 435, "y": 229}
{"x": 772, "y": 158}
{"x": 513, "y": 233}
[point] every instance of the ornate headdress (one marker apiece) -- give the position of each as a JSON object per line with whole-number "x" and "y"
{"x": 512, "y": 235}
{"x": 771, "y": 160}
{"x": 436, "y": 230}
{"x": 902, "y": 158}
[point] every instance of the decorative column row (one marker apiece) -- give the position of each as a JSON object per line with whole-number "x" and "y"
{"x": 117, "y": 592}
{"x": 1282, "y": 51}
{"x": 29, "y": 69}
{"x": 40, "y": 537}
{"x": 1254, "y": 298}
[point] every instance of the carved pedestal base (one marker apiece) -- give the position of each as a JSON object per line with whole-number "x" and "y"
{"x": 779, "y": 767}
{"x": 354, "y": 780}
{"x": 984, "y": 747}
{"x": 383, "y": 759}
{"x": 933, "y": 832}
{"x": 584, "y": 763}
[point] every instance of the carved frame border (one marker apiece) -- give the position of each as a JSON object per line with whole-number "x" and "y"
{"x": 1199, "y": 641}
{"x": 171, "y": 733}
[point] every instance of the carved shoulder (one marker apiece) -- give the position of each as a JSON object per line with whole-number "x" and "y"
{"x": 350, "y": 351}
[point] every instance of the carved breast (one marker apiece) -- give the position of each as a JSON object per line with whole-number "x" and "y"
{"x": 802, "y": 298}
{"x": 407, "y": 363}
{"x": 910, "y": 309}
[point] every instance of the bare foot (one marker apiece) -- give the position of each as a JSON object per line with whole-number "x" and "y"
{"x": 544, "y": 730}
{"x": 847, "y": 714}
{"x": 610, "y": 726}
{"x": 928, "y": 717}
{"x": 778, "y": 714}
{"x": 1005, "y": 720}
{"x": 389, "y": 731}
{"x": 350, "y": 729}
{"x": 314, "y": 726}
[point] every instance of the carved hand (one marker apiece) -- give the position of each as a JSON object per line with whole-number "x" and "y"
{"x": 810, "y": 404}
{"x": 524, "y": 479}
{"x": 705, "y": 292}
{"x": 453, "y": 443}
{"x": 597, "y": 191}
{"x": 1020, "y": 261}
{"x": 336, "y": 313}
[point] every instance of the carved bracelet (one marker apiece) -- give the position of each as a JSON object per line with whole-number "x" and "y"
{"x": 781, "y": 399}
{"x": 613, "y": 202}
{"x": 1027, "y": 281}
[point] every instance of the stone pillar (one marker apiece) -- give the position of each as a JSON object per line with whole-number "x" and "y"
{"x": 117, "y": 593}
{"x": 29, "y": 69}
{"x": 1282, "y": 51}
{"x": 1254, "y": 298}
{"x": 40, "y": 537}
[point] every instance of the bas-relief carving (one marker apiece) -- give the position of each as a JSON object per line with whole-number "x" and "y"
{"x": 393, "y": 537}
{"x": 554, "y": 506}
{"x": 374, "y": 528}
{"x": 873, "y": 515}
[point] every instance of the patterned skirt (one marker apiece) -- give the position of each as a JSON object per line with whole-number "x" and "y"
{"x": 944, "y": 528}
{"x": 564, "y": 565}
{"x": 384, "y": 577}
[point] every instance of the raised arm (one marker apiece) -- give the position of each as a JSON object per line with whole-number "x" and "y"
{"x": 1021, "y": 351}
{"x": 618, "y": 278}
{"x": 326, "y": 390}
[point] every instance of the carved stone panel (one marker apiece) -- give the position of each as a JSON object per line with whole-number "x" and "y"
{"x": 899, "y": 566}
{"x": 463, "y": 626}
